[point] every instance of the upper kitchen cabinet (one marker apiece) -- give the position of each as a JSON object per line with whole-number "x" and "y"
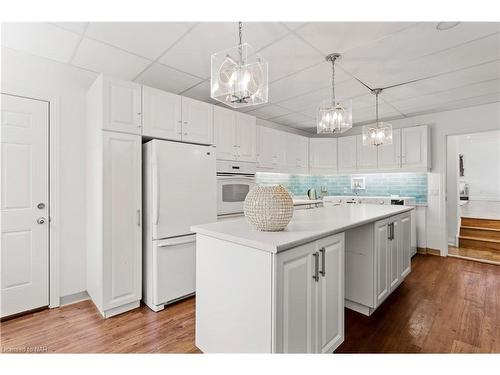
{"x": 297, "y": 153}
{"x": 120, "y": 105}
{"x": 415, "y": 148}
{"x": 235, "y": 135}
{"x": 171, "y": 116}
{"x": 323, "y": 155}
{"x": 162, "y": 114}
{"x": 366, "y": 156}
{"x": 197, "y": 121}
{"x": 347, "y": 153}
{"x": 271, "y": 149}
{"x": 389, "y": 156}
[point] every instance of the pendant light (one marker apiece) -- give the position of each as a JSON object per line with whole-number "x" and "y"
{"x": 333, "y": 116}
{"x": 239, "y": 76}
{"x": 380, "y": 133}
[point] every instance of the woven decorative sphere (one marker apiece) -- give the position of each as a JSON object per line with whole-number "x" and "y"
{"x": 269, "y": 208}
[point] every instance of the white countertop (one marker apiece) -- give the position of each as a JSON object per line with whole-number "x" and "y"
{"x": 306, "y": 226}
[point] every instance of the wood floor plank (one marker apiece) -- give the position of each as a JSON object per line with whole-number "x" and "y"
{"x": 445, "y": 305}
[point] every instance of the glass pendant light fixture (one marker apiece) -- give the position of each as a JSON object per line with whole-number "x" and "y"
{"x": 334, "y": 116}
{"x": 239, "y": 76}
{"x": 380, "y": 133}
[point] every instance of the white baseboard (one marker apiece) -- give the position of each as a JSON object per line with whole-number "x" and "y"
{"x": 74, "y": 298}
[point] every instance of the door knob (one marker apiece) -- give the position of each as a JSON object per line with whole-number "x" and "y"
{"x": 40, "y": 220}
{"x": 41, "y": 206}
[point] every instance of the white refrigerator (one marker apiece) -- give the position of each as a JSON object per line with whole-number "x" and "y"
{"x": 179, "y": 190}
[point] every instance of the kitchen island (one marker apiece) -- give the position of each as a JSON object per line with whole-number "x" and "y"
{"x": 282, "y": 292}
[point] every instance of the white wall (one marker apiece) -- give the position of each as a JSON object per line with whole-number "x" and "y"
{"x": 454, "y": 122}
{"x": 481, "y": 164}
{"x": 23, "y": 74}
{"x": 452, "y": 189}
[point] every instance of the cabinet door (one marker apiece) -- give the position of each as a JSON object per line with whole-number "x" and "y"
{"x": 265, "y": 147}
{"x": 122, "y": 106}
{"x": 323, "y": 155}
{"x": 389, "y": 156}
{"x": 197, "y": 121}
{"x": 122, "y": 250}
{"x": 404, "y": 245}
{"x": 292, "y": 152}
{"x": 296, "y": 300}
{"x": 366, "y": 155}
{"x": 161, "y": 114}
{"x": 394, "y": 256}
{"x": 331, "y": 293}
{"x": 414, "y": 147}
{"x": 279, "y": 148}
{"x": 382, "y": 256}
{"x": 246, "y": 134}
{"x": 225, "y": 133}
{"x": 303, "y": 154}
{"x": 347, "y": 153}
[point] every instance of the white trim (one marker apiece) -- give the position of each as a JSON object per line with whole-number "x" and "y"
{"x": 54, "y": 159}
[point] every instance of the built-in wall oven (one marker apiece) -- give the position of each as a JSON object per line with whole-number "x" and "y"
{"x": 234, "y": 181}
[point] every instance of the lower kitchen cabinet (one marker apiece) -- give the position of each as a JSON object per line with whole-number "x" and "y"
{"x": 296, "y": 305}
{"x": 377, "y": 260}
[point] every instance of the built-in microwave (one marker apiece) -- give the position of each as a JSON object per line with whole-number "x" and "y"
{"x": 234, "y": 181}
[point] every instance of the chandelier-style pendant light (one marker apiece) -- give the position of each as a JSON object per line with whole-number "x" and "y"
{"x": 380, "y": 133}
{"x": 239, "y": 76}
{"x": 333, "y": 116}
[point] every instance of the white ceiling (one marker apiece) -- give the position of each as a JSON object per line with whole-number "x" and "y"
{"x": 446, "y": 69}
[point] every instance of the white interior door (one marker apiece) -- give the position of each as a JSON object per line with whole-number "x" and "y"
{"x": 25, "y": 205}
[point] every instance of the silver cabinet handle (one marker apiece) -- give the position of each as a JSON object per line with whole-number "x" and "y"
{"x": 41, "y": 220}
{"x": 323, "y": 266}
{"x": 40, "y": 206}
{"x": 138, "y": 218}
{"x": 389, "y": 231}
{"x": 316, "y": 266}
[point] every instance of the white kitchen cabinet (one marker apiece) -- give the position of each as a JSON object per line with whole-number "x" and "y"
{"x": 197, "y": 121}
{"x": 389, "y": 156}
{"x": 271, "y": 149}
{"x": 377, "y": 261}
{"x": 235, "y": 135}
{"x": 323, "y": 155}
{"x": 297, "y": 153}
{"x": 366, "y": 156}
{"x": 347, "y": 153}
{"x": 415, "y": 148}
{"x": 310, "y": 293}
{"x": 120, "y": 104}
{"x": 162, "y": 114}
{"x": 113, "y": 211}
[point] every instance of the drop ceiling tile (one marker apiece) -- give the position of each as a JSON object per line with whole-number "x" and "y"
{"x": 422, "y": 51}
{"x": 40, "y": 39}
{"x": 292, "y": 119}
{"x": 102, "y": 58}
{"x": 192, "y": 53}
{"x": 168, "y": 79}
{"x": 447, "y": 81}
{"x": 443, "y": 98}
{"x": 307, "y": 80}
{"x": 340, "y": 37}
{"x": 76, "y": 27}
{"x": 200, "y": 92}
{"x": 289, "y": 55}
{"x": 147, "y": 39}
{"x": 266, "y": 112}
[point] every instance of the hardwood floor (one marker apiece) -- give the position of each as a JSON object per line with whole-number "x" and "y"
{"x": 445, "y": 305}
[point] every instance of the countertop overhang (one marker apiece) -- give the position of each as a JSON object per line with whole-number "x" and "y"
{"x": 306, "y": 226}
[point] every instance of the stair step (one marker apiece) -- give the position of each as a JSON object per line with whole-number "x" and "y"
{"x": 479, "y": 243}
{"x": 476, "y": 232}
{"x": 480, "y": 223}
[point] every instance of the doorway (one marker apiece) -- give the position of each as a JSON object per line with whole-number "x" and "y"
{"x": 473, "y": 195}
{"x": 24, "y": 204}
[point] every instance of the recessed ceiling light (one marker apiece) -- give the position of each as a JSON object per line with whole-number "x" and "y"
{"x": 446, "y": 25}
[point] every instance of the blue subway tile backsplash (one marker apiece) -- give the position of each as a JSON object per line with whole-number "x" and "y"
{"x": 401, "y": 184}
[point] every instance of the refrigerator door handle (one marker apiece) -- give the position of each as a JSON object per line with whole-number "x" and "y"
{"x": 177, "y": 241}
{"x": 156, "y": 190}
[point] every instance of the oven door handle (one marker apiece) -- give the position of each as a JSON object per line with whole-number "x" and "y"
{"x": 239, "y": 177}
